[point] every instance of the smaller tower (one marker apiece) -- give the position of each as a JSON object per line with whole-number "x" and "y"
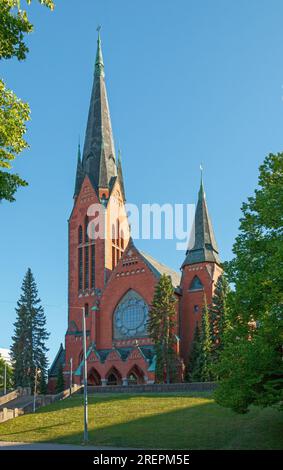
{"x": 200, "y": 271}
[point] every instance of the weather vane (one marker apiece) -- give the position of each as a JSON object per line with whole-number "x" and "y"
{"x": 98, "y": 28}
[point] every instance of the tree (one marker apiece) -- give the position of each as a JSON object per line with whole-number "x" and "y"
{"x": 161, "y": 328}
{"x": 205, "y": 345}
{"x": 43, "y": 384}
{"x": 219, "y": 318}
{"x": 9, "y": 375}
{"x": 193, "y": 367}
{"x": 199, "y": 365}
{"x": 250, "y": 367}
{"x": 60, "y": 384}
{"x": 30, "y": 336}
{"x": 14, "y": 113}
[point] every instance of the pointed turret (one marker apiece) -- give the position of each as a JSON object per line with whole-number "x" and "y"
{"x": 205, "y": 247}
{"x": 99, "y": 142}
{"x": 79, "y": 173}
{"x": 120, "y": 174}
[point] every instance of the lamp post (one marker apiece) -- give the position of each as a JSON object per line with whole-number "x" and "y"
{"x": 71, "y": 375}
{"x": 5, "y": 378}
{"x": 85, "y": 381}
{"x": 85, "y": 373}
{"x": 35, "y": 389}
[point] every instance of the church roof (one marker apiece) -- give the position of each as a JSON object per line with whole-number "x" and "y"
{"x": 158, "y": 269}
{"x": 58, "y": 361}
{"x": 205, "y": 248}
{"x": 98, "y": 161}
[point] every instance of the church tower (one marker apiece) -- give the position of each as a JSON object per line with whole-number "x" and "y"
{"x": 98, "y": 227}
{"x": 200, "y": 271}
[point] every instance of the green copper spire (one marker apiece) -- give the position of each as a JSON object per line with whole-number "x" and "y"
{"x": 99, "y": 151}
{"x": 99, "y": 64}
{"x": 205, "y": 247}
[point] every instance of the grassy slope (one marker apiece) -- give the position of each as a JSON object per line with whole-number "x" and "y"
{"x": 150, "y": 421}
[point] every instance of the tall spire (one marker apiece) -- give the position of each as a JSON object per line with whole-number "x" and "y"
{"x": 99, "y": 130}
{"x": 205, "y": 247}
{"x": 99, "y": 64}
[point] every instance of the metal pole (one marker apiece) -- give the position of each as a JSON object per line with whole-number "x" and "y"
{"x": 85, "y": 382}
{"x": 71, "y": 375}
{"x": 34, "y": 392}
{"x": 5, "y": 378}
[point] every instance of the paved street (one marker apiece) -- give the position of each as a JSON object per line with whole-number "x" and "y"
{"x": 27, "y": 446}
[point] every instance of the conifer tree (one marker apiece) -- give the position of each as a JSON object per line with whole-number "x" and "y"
{"x": 205, "y": 345}
{"x": 30, "y": 335}
{"x": 193, "y": 366}
{"x": 161, "y": 328}
{"x": 218, "y": 314}
{"x": 199, "y": 366}
{"x": 42, "y": 385}
{"x": 60, "y": 384}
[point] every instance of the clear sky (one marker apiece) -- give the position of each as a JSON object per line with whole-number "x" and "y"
{"x": 188, "y": 81}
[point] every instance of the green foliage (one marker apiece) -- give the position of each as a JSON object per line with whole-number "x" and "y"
{"x": 9, "y": 376}
{"x": 60, "y": 384}
{"x": 14, "y": 25}
{"x": 206, "y": 346}
{"x": 193, "y": 367}
{"x": 219, "y": 321}
{"x": 42, "y": 384}
{"x": 14, "y": 113}
{"x": 251, "y": 363}
{"x": 161, "y": 328}
{"x": 13, "y": 116}
{"x": 30, "y": 335}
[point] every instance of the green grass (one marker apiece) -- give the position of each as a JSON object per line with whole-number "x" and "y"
{"x": 168, "y": 421}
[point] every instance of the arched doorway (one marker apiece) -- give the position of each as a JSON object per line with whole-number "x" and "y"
{"x": 93, "y": 377}
{"x": 113, "y": 377}
{"x": 135, "y": 376}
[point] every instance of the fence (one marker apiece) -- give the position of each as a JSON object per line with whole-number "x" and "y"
{"x": 155, "y": 388}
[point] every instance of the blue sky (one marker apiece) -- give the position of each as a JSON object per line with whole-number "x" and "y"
{"x": 188, "y": 81}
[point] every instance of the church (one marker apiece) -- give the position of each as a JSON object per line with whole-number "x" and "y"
{"x": 111, "y": 280}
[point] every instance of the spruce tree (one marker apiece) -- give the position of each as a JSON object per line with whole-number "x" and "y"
{"x": 205, "y": 345}
{"x": 193, "y": 366}
{"x": 199, "y": 365}
{"x": 60, "y": 384}
{"x": 219, "y": 318}
{"x": 161, "y": 328}
{"x": 30, "y": 335}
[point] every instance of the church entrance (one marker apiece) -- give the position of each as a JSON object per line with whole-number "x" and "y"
{"x": 93, "y": 378}
{"x": 114, "y": 377}
{"x": 135, "y": 376}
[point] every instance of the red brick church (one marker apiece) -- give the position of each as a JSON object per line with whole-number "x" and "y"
{"x": 111, "y": 279}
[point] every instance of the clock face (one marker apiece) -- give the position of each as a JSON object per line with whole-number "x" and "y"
{"x": 130, "y": 317}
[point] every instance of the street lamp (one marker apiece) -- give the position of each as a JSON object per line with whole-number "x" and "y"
{"x": 5, "y": 378}
{"x": 85, "y": 373}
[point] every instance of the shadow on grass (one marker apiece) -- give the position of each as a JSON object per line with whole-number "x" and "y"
{"x": 77, "y": 400}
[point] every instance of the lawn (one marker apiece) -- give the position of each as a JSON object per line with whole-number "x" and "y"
{"x": 164, "y": 421}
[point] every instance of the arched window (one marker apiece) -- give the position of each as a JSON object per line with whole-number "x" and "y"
{"x": 80, "y": 235}
{"x": 130, "y": 317}
{"x": 80, "y": 270}
{"x": 86, "y": 227}
{"x": 86, "y": 310}
{"x": 92, "y": 265}
{"x": 196, "y": 284}
{"x": 86, "y": 267}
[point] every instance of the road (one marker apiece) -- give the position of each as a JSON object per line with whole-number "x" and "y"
{"x": 39, "y": 446}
